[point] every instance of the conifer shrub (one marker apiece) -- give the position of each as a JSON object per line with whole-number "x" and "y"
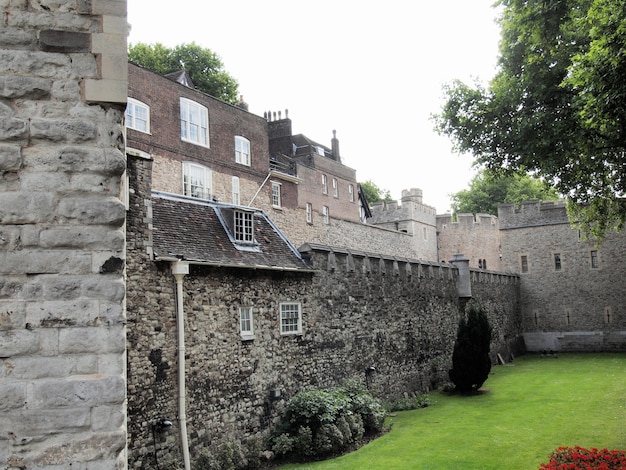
{"x": 316, "y": 423}
{"x": 471, "y": 363}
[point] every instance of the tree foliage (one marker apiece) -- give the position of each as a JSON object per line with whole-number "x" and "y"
{"x": 470, "y": 359}
{"x": 373, "y": 193}
{"x": 487, "y": 190}
{"x": 556, "y": 107}
{"x": 203, "y": 66}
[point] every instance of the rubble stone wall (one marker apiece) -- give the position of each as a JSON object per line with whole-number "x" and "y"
{"x": 358, "y": 310}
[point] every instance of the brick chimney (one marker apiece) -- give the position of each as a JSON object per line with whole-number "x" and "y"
{"x": 335, "y": 146}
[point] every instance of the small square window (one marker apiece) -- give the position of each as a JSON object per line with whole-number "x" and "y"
{"x": 290, "y": 319}
{"x": 246, "y": 323}
{"x": 242, "y": 150}
{"x": 276, "y": 199}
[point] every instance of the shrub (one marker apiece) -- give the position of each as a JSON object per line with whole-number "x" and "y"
{"x": 315, "y": 423}
{"x": 575, "y": 458}
{"x": 228, "y": 456}
{"x": 470, "y": 359}
{"x": 403, "y": 404}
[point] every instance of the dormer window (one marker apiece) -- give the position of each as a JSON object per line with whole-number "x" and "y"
{"x": 243, "y": 228}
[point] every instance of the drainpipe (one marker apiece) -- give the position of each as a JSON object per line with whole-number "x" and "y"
{"x": 179, "y": 270}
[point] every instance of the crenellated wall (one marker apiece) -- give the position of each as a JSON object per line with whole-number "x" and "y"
{"x": 572, "y": 289}
{"x": 477, "y": 237}
{"x": 359, "y": 309}
{"x": 63, "y": 85}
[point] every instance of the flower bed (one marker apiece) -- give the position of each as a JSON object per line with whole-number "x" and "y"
{"x": 579, "y": 458}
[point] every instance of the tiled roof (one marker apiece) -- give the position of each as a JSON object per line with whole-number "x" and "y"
{"x": 191, "y": 229}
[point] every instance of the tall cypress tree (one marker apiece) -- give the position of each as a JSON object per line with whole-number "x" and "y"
{"x": 470, "y": 359}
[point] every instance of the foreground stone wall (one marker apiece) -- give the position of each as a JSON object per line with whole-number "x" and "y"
{"x": 62, "y": 318}
{"x": 358, "y": 310}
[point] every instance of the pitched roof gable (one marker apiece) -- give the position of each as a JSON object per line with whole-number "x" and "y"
{"x": 194, "y": 230}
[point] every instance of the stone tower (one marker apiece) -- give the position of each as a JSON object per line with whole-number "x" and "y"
{"x": 63, "y": 76}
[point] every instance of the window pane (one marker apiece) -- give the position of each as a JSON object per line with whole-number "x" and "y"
{"x": 290, "y": 318}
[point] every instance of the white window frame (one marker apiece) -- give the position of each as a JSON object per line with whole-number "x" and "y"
{"x": 324, "y": 184}
{"x": 246, "y": 322}
{"x": 351, "y": 192}
{"x": 309, "y": 213}
{"x": 236, "y": 191}
{"x": 134, "y": 119}
{"x": 276, "y": 195}
{"x": 326, "y": 214}
{"x": 203, "y": 175}
{"x": 243, "y": 226}
{"x": 194, "y": 122}
{"x": 335, "y": 187}
{"x": 290, "y": 324}
{"x": 242, "y": 150}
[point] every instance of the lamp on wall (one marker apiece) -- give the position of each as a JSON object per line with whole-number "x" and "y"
{"x": 368, "y": 372}
{"x": 158, "y": 425}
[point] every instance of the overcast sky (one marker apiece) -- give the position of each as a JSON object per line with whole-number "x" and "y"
{"x": 371, "y": 70}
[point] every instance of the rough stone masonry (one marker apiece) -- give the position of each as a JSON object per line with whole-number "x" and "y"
{"x": 63, "y": 87}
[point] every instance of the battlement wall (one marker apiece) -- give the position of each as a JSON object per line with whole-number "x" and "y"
{"x": 477, "y": 237}
{"x": 532, "y": 213}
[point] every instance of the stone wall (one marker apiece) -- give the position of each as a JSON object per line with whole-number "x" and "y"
{"x": 572, "y": 306}
{"x": 358, "y": 310}
{"x": 62, "y": 250}
{"x": 477, "y": 237}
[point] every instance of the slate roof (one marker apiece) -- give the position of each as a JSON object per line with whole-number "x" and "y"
{"x": 191, "y": 229}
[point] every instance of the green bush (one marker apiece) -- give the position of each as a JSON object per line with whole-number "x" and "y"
{"x": 229, "y": 456}
{"x": 471, "y": 363}
{"x": 406, "y": 403}
{"x": 315, "y": 423}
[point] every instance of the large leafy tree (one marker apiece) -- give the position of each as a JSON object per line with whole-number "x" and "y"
{"x": 487, "y": 190}
{"x": 557, "y": 105}
{"x": 204, "y": 66}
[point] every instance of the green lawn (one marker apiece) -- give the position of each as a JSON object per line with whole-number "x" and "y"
{"x": 528, "y": 408}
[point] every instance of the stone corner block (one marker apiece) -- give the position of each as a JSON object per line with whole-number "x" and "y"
{"x": 105, "y": 91}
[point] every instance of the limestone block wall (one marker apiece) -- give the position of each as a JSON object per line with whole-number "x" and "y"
{"x": 62, "y": 249}
{"x": 477, "y": 237}
{"x": 577, "y": 304}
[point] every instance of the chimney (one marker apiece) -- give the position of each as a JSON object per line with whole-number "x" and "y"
{"x": 335, "y": 147}
{"x": 242, "y": 104}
